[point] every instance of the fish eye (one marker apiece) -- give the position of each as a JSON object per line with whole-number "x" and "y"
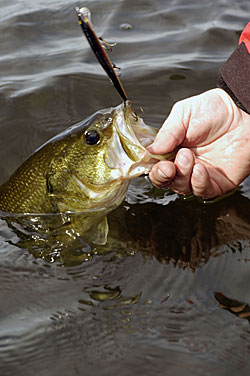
{"x": 92, "y": 137}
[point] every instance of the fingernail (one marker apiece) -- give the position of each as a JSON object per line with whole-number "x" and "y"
{"x": 197, "y": 172}
{"x": 182, "y": 159}
{"x": 150, "y": 147}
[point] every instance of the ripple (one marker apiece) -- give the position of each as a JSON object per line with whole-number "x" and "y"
{"x": 146, "y": 301}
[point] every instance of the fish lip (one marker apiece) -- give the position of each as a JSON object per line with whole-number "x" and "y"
{"x": 123, "y": 125}
{"x": 129, "y": 123}
{"x": 127, "y": 155}
{"x": 142, "y": 134}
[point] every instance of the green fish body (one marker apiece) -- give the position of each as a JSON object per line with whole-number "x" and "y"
{"x": 79, "y": 176}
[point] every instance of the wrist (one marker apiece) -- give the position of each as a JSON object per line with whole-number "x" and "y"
{"x": 222, "y": 85}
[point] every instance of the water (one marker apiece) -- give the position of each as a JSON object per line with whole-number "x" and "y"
{"x": 151, "y": 300}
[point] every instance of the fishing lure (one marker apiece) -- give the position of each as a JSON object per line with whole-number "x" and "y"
{"x": 95, "y": 43}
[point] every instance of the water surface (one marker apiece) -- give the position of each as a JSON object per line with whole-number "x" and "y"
{"x": 169, "y": 293}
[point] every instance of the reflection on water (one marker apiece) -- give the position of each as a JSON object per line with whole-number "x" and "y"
{"x": 169, "y": 291}
{"x": 242, "y": 310}
{"x": 186, "y": 239}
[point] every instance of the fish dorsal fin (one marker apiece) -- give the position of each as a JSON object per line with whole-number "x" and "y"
{"x": 99, "y": 232}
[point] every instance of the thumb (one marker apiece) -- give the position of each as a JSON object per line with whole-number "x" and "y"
{"x": 172, "y": 132}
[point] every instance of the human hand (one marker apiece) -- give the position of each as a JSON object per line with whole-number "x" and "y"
{"x": 214, "y": 139}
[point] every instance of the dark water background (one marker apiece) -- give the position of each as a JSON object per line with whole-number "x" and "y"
{"x": 173, "y": 296}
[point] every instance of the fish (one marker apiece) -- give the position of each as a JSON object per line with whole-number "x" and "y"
{"x": 67, "y": 187}
{"x": 83, "y": 173}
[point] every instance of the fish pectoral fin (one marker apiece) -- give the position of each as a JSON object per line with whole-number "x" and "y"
{"x": 99, "y": 232}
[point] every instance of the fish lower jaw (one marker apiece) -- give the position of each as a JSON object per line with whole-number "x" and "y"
{"x": 108, "y": 196}
{"x": 143, "y": 166}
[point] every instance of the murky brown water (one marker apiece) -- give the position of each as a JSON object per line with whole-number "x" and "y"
{"x": 169, "y": 293}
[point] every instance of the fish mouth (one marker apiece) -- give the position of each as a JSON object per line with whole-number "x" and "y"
{"x": 135, "y": 135}
{"x": 127, "y": 153}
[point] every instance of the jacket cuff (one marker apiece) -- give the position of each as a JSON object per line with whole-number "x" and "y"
{"x": 235, "y": 74}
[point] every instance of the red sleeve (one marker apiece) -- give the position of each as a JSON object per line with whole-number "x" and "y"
{"x": 245, "y": 37}
{"x": 235, "y": 73}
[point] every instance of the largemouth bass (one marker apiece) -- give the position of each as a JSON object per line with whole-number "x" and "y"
{"x": 84, "y": 170}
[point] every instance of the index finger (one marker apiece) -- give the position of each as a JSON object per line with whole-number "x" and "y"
{"x": 173, "y": 130}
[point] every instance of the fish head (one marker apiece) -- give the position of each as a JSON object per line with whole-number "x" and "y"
{"x": 99, "y": 158}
